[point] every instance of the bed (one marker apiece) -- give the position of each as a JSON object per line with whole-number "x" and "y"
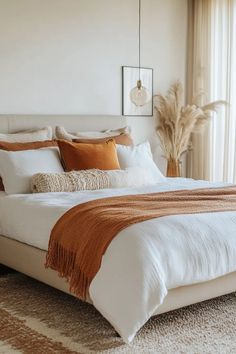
{"x": 24, "y": 247}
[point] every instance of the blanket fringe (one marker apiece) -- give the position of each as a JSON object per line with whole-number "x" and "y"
{"x": 81, "y": 236}
{"x": 64, "y": 262}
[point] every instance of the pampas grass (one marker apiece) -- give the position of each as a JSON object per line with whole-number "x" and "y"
{"x": 177, "y": 122}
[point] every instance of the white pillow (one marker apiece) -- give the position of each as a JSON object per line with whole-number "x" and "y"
{"x": 104, "y": 134}
{"x": 17, "y": 167}
{"x": 28, "y": 136}
{"x": 139, "y": 155}
{"x": 130, "y": 177}
{"x": 61, "y": 133}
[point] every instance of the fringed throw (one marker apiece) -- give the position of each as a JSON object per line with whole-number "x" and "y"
{"x": 81, "y": 236}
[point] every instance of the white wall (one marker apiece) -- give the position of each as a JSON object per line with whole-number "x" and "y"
{"x": 65, "y": 56}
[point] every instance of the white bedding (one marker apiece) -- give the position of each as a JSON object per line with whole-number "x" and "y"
{"x": 144, "y": 260}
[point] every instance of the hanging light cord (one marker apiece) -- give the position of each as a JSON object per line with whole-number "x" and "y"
{"x": 139, "y": 37}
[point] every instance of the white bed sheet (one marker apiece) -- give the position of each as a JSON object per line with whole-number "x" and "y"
{"x": 144, "y": 260}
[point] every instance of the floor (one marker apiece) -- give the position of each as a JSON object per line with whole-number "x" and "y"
{"x": 37, "y": 319}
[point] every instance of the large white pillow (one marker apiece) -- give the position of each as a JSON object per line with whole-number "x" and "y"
{"x": 28, "y": 136}
{"x": 104, "y": 134}
{"x": 61, "y": 133}
{"x": 17, "y": 167}
{"x": 139, "y": 155}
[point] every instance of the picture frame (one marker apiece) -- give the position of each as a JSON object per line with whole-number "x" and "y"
{"x": 130, "y": 75}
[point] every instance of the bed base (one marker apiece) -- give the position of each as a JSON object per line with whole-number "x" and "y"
{"x": 30, "y": 261}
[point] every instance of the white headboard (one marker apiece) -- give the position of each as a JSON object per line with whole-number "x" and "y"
{"x": 14, "y": 123}
{"x": 142, "y": 127}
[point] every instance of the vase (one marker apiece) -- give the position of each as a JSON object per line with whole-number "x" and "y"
{"x": 173, "y": 168}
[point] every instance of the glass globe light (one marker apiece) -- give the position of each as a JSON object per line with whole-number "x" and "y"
{"x": 139, "y": 95}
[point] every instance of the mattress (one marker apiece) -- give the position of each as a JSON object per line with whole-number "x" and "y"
{"x": 145, "y": 260}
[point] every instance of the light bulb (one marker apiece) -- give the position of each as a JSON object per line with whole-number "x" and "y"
{"x": 139, "y": 95}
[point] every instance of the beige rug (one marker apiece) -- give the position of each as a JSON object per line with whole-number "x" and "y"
{"x": 36, "y": 319}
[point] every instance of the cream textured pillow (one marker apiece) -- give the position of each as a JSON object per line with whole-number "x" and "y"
{"x": 69, "y": 181}
{"x": 28, "y": 136}
{"x": 17, "y": 167}
{"x": 61, "y": 133}
{"x": 89, "y": 180}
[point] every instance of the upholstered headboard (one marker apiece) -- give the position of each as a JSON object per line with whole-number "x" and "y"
{"x": 142, "y": 127}
{"x": 14, "y": 123}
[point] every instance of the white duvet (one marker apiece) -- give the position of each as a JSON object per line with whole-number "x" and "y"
{"x": 144, "y": 260}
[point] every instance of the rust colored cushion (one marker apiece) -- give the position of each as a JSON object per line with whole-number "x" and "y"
{"x": 4, "y": 145}
{"x": 83, "y": 156}
{"x": 122, "y": 139}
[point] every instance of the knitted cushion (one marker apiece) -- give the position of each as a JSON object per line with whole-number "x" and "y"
{"x": 90, "y": 180}
{"x": 69, "y": 181}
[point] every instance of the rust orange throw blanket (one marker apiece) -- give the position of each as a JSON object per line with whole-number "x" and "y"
{"x": 81, "y": 236}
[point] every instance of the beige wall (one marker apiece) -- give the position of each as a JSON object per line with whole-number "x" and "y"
{"x": 65, "y": 56}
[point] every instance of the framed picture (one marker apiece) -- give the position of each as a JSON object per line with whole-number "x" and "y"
{"x": 130, "y": 75}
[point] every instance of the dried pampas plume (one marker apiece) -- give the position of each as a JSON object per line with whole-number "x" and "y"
{"x": 177, "y": 122}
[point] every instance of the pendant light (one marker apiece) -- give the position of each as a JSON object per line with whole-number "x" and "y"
{"x": 139, "y": 95}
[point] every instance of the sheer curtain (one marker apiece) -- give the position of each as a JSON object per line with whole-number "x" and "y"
{"x": 212, "y": 72}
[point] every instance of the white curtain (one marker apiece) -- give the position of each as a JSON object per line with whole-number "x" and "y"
{"x": 212, "y": 71}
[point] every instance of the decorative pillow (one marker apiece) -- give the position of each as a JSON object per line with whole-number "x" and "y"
{"x": 80, "y": 156}
{"x": 28, "y": 136}
{"x": 17, "y": 167}
{"x": 121, "y": 136}
{"x": 69, "y": 181}
{"x": 122, "y": 139}
{"x": 105, "y": 133}
{"x": 139, "y": 155}
{"x": 5, "y": 145}
{"x": 89, "y": 180}
{"x": 130, "y": 177}
{"x": 24, "y": 146}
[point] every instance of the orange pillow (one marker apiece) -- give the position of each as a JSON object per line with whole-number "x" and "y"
{"x": 82, "y": 156}
{"x": 122, "y": 139}
{"x": 4, "y": 145}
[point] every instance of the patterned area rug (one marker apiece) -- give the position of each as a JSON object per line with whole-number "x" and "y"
{"x": 37, "y": 319}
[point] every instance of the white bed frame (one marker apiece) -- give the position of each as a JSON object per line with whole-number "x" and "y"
{"x": 30, "y": 260}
